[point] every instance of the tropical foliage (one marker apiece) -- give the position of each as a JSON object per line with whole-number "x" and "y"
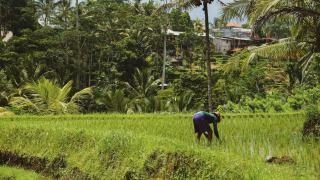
{"x": 117, "y": 49}
{"x": 45, "y": 96}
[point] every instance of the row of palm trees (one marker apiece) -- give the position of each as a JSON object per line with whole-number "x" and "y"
{"x": 141, "y": 95}
{"x": 51, "y": 10}
{"x": 45, "y": 96}
{"x": 117, "y": 101}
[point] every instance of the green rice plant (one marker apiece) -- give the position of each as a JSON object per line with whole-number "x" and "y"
{"x": 18, "y": 174}
{"x": 145, "y": 146}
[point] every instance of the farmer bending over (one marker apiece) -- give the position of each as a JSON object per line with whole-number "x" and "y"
{"x": 201, "y": 122}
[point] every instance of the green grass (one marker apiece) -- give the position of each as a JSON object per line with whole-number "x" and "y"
{"x": 17, "y": 174}
{"x": 163, "y": 146}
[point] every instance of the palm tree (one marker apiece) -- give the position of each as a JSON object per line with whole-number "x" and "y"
{"x": 45, "y": 9}
{"x": 306, "y": 29}
{"x": 188, "y": 4}
{"x": 143, "y": 85}
{"x": 198, "y": 26}
{"x": 182, "y": 103}
{"x": 304, "y": 45}
{"x": 113, "y": 101}
{"x": 142, "y": 90}
{"x": 45, "y": 96}
{"x": 64, "y": 9}
{"x": 78, "y": 63}
{"x": 241, "y": 9}
{"x": 291, "y": 53}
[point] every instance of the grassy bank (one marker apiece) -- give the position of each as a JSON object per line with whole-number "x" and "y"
{"x": 17, "y": 174}
{"x": 162, "y": 146}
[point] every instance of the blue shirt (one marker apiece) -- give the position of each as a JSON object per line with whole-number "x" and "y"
{"x": 208, "y": 116}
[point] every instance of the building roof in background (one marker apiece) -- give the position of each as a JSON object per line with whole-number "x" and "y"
{"x": 177, "y": 33}
{"x": 233, "y": 24}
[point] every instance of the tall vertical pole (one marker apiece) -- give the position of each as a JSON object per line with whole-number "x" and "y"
{"x": 164, "y": 59}
{"x": 205, "y": 8}
{"x": 78, "y": 45}
{"x": 164, "y": 50}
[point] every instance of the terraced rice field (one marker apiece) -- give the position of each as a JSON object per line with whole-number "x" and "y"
{"x": 151, "y": 146}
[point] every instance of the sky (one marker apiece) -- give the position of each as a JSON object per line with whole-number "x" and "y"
{"x": 215, "y": 10}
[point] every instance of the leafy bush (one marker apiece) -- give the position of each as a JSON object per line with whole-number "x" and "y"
{"x": 312, "y": 125}
{"x": 195, "y": 83}
{"x": 112, "y": 101}
{"x": 274, "y": 102}
{"x": 182, "y": 103}
{"x": 5, "y": 88}
{"x": 271, "y": 103}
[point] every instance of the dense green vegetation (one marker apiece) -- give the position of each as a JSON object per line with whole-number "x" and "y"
{"x": 69, "y": 63}
{"x": 117, "y": 48}
{"x": 162, "y": 146}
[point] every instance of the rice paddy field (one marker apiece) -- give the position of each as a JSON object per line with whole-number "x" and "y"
{"x": 155, "y": 146}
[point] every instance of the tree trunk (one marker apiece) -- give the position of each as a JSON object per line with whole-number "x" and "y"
{"x": 205, "y": 8}
{"x": 164, "y": 59}
{"x": 164, "y": 52}
{"x": 78, "y": 46}
{"x": 90, "y": 64}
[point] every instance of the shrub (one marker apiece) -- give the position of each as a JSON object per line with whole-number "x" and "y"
{"x": 312, "y": 125}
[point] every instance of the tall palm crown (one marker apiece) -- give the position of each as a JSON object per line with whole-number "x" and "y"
{"x": 64, "y": 11}
{"x": 45, "y": 9}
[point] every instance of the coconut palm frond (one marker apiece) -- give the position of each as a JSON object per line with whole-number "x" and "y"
{"x": 113, "y": 101}
{"x": 221, "y": 3}
{"x": 46, "y": 96}
{"x": 264, "y": 6}
{"x": 298, "y": 11}
{"x": 84, "y": 93}
{"x": 307, "y": 62}
{"x": 23, "y": 103}
{"x": 133, "y": 91}
{"x": 143, "y": 84}
{"x": 236, "y": 62}
{"x": 182, "y": 103}
{"x": 64, "y": 91}
{"x": 183, "y": 4}
{"x": 45, "y": 89}
{"x": 231, "y": 66}
{"x": 237, "y": 9}
{"x": 163, "y": 8}
{"x": 58, "y": 107}
{"x": 283, "y": 50}
{"x": 246, "y": 62}
{"x": 189, "y": 4}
